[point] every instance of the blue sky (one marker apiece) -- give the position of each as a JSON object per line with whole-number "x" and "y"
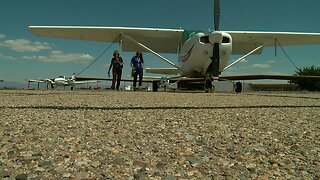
{"x": 24, "y": 55}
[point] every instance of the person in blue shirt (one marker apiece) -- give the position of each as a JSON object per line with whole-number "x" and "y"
{"x": 116, "y": 65}
{"x": 137, "y": 64}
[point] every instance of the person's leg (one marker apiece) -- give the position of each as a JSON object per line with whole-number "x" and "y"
{"x": 140, "y": 76}
{"x": 135, "y": 80}
{"x": 114, "y": 75}
{"x": 119, "y": 79}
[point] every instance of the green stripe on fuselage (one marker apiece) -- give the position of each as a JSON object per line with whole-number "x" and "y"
{"x": 188, "y": 34}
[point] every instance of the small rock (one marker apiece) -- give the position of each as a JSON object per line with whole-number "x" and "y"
{"x": 271, "y": 161}
{"x": 170, "y": 177}
{"x": 204, "y": 154}
{"x": 294, "y": 147}
{"x": 45, "y": 164}
{"x": 83, "y": 175}
{"x": 190, "y": 137}
{"x": 22, "y": 177}
{"x": 35, "y": 154}
{"x": 251, "y": 167}
{"x": 119, "y": 161}
{"x": 140, "y": 175}
{"x": 160, "y": 164}
{"x": 261, "y": 150}
{"x": 11, "y": 154}
{"x": 96, "y": 164}
{"x": 193, "y": 161}
{"x": 66, "y": 175}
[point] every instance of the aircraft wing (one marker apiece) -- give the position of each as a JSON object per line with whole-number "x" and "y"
{"x": 49, "y": 81}
{"x": 159, "y": 40}
{"x": 244, "y": 42}
{"x": 33, "y": 80}
{"x": 84, "y": 82}
{"x": 269, "y": 76}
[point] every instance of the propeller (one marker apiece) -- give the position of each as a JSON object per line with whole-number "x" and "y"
{"x": 215, "y": 38}
{"x": 216, "y": 14}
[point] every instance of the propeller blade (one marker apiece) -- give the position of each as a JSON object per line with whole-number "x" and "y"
{"x": 216, "y": 60}
{"x": 216, "y": 14}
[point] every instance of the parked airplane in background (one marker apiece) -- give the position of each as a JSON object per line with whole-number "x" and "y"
{"x": 61, "y": 81}
{"x": 202, "y": 55}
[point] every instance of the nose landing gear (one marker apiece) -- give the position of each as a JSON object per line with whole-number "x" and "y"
{"x": 209, "y": 85}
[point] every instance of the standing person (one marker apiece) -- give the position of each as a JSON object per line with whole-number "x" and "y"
{"x": 137, "y": 64}
{"x": 116, "y": 65}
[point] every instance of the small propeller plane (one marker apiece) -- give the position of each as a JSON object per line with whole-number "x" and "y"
{"x": 202, "y": 55}
{"x": 61, "y": 81}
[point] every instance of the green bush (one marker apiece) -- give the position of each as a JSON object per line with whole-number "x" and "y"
{"x": 308, "y": 84}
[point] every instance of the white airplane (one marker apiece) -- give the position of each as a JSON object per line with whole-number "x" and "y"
{"x": 202, "y": 55}
{"x": 61, "y": 81}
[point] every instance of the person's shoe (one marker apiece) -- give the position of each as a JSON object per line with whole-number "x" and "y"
{"x": 117, "y": 89}
{"x": 112, "y": 88}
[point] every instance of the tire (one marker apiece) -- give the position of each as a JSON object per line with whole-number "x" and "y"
{"x": 238, "y": 87}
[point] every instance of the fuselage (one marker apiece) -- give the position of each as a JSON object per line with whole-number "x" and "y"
{"x": 63, "y": 81}
{"x": 196, "y": 52}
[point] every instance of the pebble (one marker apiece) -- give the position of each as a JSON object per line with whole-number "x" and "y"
{"x": 143, "y": 135}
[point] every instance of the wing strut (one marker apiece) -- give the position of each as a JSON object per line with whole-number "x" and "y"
{"x": 240, "y": 59}
{"x": 150, "y": 50}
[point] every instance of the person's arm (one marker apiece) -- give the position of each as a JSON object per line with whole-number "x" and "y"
{"x": 110, "y": 67}
{"x": 142, "y": 61}
{"x": 132, "y": 65}
{"x": 122, "y": 61}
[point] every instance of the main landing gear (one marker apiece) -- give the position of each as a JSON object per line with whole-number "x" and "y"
{"x": 209, "y": 84}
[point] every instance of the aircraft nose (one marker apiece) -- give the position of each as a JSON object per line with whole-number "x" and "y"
{"x": 215, "y": 37}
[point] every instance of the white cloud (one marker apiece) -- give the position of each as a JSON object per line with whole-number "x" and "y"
{"x": 60, "y": 57}
{"x": 261, "y": 66}
{"x": 271, "y": 61}
{"x": 244, "y": 60}
{"x": 76, "y": 57}
{"x": 24, "y": 45}
{"x": 8, "y": 58}
{"x": 2, "y": 36}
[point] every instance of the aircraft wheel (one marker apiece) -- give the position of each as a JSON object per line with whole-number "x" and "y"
{"x": 155, "y": 86}
{"x": 238, "y": 87}
{"x": 208, "y": 86}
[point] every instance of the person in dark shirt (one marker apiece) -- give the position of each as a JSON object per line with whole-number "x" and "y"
{"x": 137, "y": 64}
{"x": 116, "y": 65}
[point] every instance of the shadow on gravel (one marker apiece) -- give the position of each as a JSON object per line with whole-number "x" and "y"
{"x": 152, "y": 107}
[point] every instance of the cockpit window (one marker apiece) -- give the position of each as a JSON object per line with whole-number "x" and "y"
{"x": 225, "y": 40}
{"x": 204, "y": 39}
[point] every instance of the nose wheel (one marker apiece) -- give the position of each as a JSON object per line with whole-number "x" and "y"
{"x": 208, "y": 85}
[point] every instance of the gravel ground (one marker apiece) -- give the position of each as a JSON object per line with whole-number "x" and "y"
{"x": 163, "y": 135}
